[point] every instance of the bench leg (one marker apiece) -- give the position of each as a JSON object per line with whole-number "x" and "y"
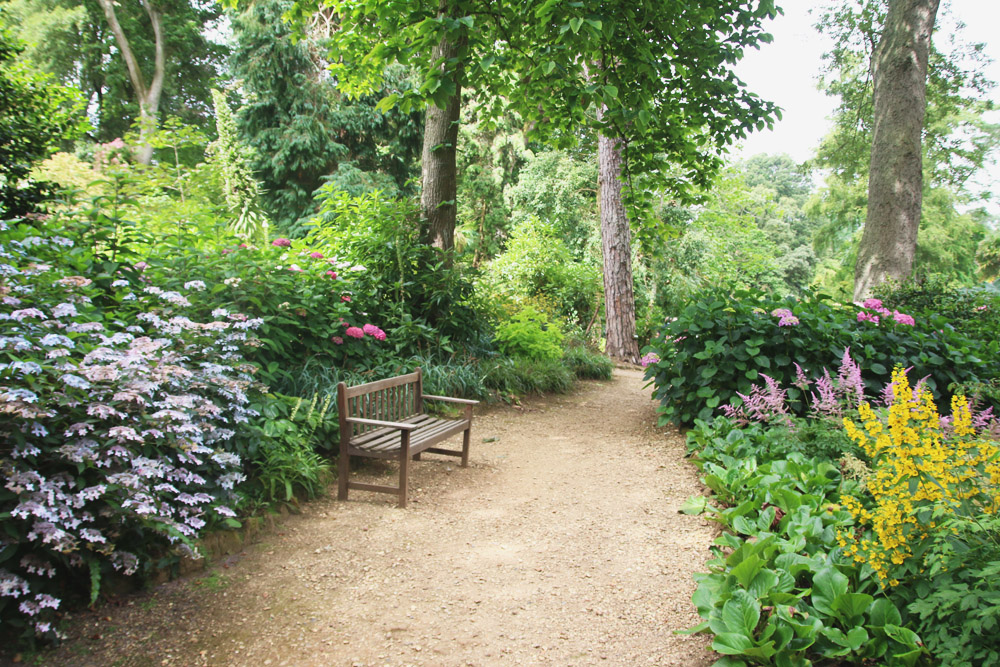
{"x": 343, "y": 470}
{"x": 404, "y": 459}
{"x": 466, "y": 438}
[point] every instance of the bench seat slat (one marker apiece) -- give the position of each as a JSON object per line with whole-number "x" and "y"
{"x": 432, "y": 429}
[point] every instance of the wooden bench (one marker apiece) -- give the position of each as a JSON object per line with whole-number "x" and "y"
{"x": 386, "y": 420}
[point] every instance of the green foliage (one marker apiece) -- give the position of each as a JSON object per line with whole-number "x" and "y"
{"x": 283, "y": 443}
{"x": 974, "y": 312}
{"x": 560, "y": 187}
{"x": 777, "y": 591}
{"x": 529, "y": 333}
{"x": 425, "y": 303}
{"x": 520, "y": 376}
{"x": 36, "y": 116}
{"x": 490, "y": 161}
{"x": 538, "y": 268}
{"x": 301, "y": 128}
{"x": 957, "y": 611}
{"x": 71, "y": 40}
{"x": 587, "y": 364}
{"x": 241, "y": 190}
{"x": 721, "y": 343}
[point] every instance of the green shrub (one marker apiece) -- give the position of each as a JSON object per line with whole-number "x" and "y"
{"x": 956, "y": 609}
{"x": 973, "y": 311}
{"x": 517, "y": 377}
{"x": 529, "y": 333}
{"x": 284, "y": 440}
{"x": 537, "y": 267}
{"x": 587, "y": 364}
{"x": 721, "y": 344}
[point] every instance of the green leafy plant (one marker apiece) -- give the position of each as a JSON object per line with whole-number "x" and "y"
{"x": 529, "y": 333}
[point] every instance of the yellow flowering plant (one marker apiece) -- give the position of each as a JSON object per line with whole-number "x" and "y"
{"x": 921, "y": 472}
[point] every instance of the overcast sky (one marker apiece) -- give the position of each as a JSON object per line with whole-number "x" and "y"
{"x": 787, "y": 70}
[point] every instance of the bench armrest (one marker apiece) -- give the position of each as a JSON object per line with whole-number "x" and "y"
{"x": 448, "y": 399}
{"x": 377, "y": 422}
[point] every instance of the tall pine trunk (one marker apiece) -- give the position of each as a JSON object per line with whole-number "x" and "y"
{"x": 616, "y": 246}
{"x": 439, "y": 168}
{"x": 895, "y": 181}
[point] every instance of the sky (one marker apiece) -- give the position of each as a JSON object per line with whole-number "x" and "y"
{"x": 787, "y": 70}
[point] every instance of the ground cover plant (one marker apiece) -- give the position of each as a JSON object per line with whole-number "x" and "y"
{"x": 858, "y": 553}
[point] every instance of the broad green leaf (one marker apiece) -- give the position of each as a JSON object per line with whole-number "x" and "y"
{"x": 732, "y": 643}
{"x": 851, "y": 605}
{"x": 828, "y": 584}
{"x": 884, "y": 612}
{"x": 694, "y": 505}
{"x": 741, "y": 613}
{"x": 748, "y": 569}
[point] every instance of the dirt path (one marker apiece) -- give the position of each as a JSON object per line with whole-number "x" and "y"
{"x": 560, "y": 545}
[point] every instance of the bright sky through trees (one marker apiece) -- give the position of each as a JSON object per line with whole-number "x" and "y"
{"x": 787, "y": 70}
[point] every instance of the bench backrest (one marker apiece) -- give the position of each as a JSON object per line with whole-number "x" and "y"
{"x": 393, "y": 399}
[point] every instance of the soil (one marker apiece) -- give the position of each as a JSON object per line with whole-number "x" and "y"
{"x": 561, "y": 544}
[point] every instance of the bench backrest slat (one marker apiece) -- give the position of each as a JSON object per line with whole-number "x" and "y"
{"x": 391, "y": 399}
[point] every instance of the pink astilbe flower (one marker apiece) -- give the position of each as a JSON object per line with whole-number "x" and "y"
{"x": 765, "y": 405}
{"x": 851, "y": 385}
{"x": 281, "y": 242}
{"x": 800, "y": 377}
{"x": 354, "y": 332}
{"x": 827, "y": 404}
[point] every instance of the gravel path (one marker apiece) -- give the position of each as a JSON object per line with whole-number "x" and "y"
{"x": 560, "y": 545}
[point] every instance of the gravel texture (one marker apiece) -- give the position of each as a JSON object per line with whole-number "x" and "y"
{"x": 561, "y": 544}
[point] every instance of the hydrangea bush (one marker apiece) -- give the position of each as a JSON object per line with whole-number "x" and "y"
{"x": 720, "y": 344}
{"x": 308, "y": 301}
{"x": 117, "y": 414}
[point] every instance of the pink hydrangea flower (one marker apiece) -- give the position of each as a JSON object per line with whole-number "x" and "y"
{"x": 345, "y": 298}
{"x": 295, "y": 267}
{"x": 244, "y": 246}
{"x": 316, "y": 255}
{"x": 355, "y": 332}
{"x": 867, "y": 317}
{"x": 902, "y": 318}
{"x": 332, "y": 274}
{"x": 337, "y": 340}
{"x": 374, "y": 332}
{"x": 281, "y": 242}
{"x": 140, "y": 266}
{"x": 226, "y": 251}
{"x": 872, "y": 303}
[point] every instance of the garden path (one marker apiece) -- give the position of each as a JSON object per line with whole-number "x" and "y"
{"x": 560, "y": 545}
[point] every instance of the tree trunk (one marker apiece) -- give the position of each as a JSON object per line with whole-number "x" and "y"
{"x": 148, "y": 97}
{"x": 439, "y": 169}
{"x": 895, "y": 181}
{"x": 616, "y": 244}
